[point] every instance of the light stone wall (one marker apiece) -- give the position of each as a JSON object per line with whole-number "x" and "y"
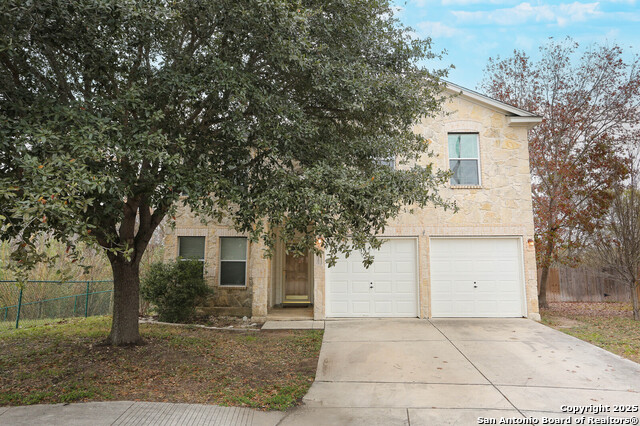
{"x": 253, "y": 296}
{"x": 500, "y": 206}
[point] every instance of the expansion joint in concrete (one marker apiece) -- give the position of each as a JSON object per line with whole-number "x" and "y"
{"x": 477, "y": 369}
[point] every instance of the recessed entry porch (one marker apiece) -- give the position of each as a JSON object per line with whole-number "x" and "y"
{"x": 291, "y": 287}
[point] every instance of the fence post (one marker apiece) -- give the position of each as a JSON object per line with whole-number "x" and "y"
{"x": 86, "y": 302}
{"x": 19, "y": 306}
{"x": 75, "y": 304}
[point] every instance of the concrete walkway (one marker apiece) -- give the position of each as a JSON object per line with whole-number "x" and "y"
{"x": 452, "y": 371}
{"x": 411, "y": 372}
{"x": 293, "y": 325}
{"x": 136, "y": 413}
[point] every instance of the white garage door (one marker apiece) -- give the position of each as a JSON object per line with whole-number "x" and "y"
{"x": 388, "y": 288}
{"x": 476, "y": 277}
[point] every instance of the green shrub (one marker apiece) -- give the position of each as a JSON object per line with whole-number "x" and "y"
{"x": 174, "y": 288}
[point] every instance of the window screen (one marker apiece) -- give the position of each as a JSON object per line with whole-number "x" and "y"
{"x": 464, "y": 159}
{"x": 233, "y": 260}
{"x": 191, "y": 248}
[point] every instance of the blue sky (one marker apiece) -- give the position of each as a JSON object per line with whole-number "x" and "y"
{"x": 473, "y": 30}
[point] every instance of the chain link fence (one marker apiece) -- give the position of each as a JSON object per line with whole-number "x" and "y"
{"x": 37, "y": 302}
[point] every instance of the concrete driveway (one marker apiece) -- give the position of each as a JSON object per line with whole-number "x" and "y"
{"x": 453, "y": 371}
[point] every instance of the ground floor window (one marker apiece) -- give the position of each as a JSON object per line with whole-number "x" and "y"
{"x": 191, "y": 248}
{"x": 233, "y": 261}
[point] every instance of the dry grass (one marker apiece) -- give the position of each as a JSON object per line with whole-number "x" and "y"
{"x": 609, "y": 325}
{"x": 65, "y": 362}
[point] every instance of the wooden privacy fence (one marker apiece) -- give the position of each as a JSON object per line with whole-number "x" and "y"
{"x": 584, "y": 285}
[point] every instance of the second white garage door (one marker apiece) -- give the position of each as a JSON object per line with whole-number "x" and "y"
{"x": 476, "y": 277}
{"x": 388, "y": 288}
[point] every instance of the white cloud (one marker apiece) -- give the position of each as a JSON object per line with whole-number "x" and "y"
{"x": 560, "y": 14}
{"x": 437, "y": 29}
{"x": 421, "y": 3}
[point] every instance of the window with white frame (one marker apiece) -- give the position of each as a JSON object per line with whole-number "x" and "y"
{"x": 464, "y": 159}
{"x": 233, "y": 261}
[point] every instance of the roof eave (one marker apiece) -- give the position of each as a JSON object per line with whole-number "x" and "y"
{"x": 489, "y": 102}
{"x": 528, "y": 122}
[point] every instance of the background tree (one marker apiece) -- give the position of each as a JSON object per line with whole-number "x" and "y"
{"x": 274, "y": 113}
{"x": 617, "y": 244}
{"x": 590, "y": 105}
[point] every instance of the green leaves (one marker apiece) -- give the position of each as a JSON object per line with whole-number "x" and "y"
{"x": 273, "y": 113}
{"x": 174, "y": 288}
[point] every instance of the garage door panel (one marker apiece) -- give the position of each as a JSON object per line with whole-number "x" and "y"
{"x": 463, "y": 308}
{"x": 361, "y": 307}
{"x": 462, "y": 287}
{"x": 441, "y": 288}
{"x": 341, "y": 268}
{"x": 406, "y": 308}
{"x": 357, "y": 266}
{"x": 462, "y": 265}
{"x": 383, "y": 307}
{"x": 386, "y": 249}
{"x": 381, "y": 267}
{"x": 485, "y": 266}
{"x": 383, "y": 287}
{"x": 360, "y": 287}
{"x": 405, "y": 287}
{"x": 339, "y": 307}
{"x": 494, "y": 264}
{"x": 403, "y": 267}
{"x": 394, "y": 277}
{"x": 340, "y": 287}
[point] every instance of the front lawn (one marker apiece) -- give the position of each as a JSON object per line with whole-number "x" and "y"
{"x": 609, "y": 325}
{"x": 65, "y": 362}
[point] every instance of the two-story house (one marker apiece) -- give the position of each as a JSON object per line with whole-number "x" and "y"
{"x": 478, "y": 262}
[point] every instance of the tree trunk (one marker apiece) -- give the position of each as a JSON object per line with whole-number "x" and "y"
{"x": 126, "y": 303}
{"x": 635, "y": 298}
{"x": 542, "y": 290}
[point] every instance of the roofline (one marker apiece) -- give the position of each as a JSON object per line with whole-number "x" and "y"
{"x": 523, "y": 121}
{"x": 495, "y": 104}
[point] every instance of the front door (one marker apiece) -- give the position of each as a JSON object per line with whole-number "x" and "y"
{"x": 296, "y": 278}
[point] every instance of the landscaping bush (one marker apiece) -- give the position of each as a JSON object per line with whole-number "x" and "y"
{"x": 174, "y": 288}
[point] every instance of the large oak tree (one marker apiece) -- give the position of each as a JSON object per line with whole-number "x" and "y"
{"x": 275, "y": 113}
{"x": 590, "y": 106}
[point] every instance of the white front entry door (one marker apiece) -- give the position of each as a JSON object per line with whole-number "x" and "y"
{"x": 388, "y": 288}
{"x": 476, "y": 277}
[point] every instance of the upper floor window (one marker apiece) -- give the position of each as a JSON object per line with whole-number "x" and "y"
{"x": 191, "y": 248}
{"x": 464, "y": 160}
{"x": 233, "y": 261}
{"x": 389, "y": 162}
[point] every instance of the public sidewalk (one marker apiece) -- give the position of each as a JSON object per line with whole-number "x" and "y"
{"x": 136, "y": 413}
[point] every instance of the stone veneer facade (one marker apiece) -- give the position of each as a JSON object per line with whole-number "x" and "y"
{"x": 500, "y": 206}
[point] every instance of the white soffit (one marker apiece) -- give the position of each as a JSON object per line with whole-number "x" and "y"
{"x": 515, "y": 116}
